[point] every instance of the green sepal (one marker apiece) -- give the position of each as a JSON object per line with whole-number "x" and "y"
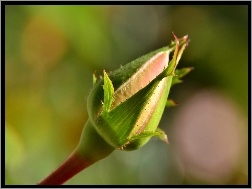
{"x": 158, "y": 133}
{"x": 108, "y": 93}
{"x": 162, "y": 135}
{"x": 171, "y": 69}
{"x": 117, "y": 125}
{"x": 179, "y": 73}
{"x": 173, "y": 63}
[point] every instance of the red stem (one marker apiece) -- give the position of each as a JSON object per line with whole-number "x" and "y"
{"x": 91, "y": 149}
{"x": 73, "y": 165}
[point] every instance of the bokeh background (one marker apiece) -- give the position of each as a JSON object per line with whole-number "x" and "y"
{"x": 51, "y": 53}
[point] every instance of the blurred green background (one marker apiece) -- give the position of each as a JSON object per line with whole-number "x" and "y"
{"x": 51, "y": 54}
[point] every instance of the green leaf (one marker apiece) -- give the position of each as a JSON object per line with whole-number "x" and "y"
{"x": 108, "y": 93}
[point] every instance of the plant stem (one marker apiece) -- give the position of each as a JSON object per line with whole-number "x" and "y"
{"x": 73, "y": 165}
{"x": 91, "y": 149}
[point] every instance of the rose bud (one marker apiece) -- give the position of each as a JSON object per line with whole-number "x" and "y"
{"x": 125, "y": 107}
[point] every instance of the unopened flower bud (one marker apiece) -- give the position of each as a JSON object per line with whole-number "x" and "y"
{"x": 125, "y": 106}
